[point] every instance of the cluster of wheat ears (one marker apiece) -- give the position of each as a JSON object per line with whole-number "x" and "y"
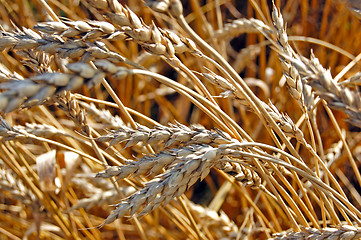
{"x": 180, "y": 120}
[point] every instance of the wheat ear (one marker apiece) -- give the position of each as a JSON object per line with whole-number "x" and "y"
{"x": 174, "y": 135}
{"x": 345, "y": 232}
{"x": 9, "y": 183}
{"x": 169, "y": 185}
{"x": 295, "y": 81}
{"x": 33, "y": 91}
{"x": 336, "y": 95}
{"x": 54, "y": 44}
{"x": 240, "y": 26}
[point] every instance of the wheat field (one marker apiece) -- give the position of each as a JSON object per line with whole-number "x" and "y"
{"x": 170, "y": 119}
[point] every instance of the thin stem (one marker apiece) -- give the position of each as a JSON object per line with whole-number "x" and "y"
{"x": 201, "y": 102}
{"x": 49, "y": 10}
{"x": 348, "y": 151}
{"x": 239, "y": 84}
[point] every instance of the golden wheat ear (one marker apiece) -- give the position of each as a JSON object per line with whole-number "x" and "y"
{"x": 170, "y": 119}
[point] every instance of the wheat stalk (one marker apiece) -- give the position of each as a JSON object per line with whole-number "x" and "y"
{"x": 282, "y": 120}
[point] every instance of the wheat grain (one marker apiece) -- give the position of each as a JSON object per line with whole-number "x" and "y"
{"x": 355, "y": 80}
{"x": 172, "y": 6}
{"x": 161, "y": 6}
{"x": 333, "y": 153}
{"x": 7, "y": 132}
{"x": 6, "y": 74}
{"x": 37, "y": 61}
{"x": 184, "y": 166}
